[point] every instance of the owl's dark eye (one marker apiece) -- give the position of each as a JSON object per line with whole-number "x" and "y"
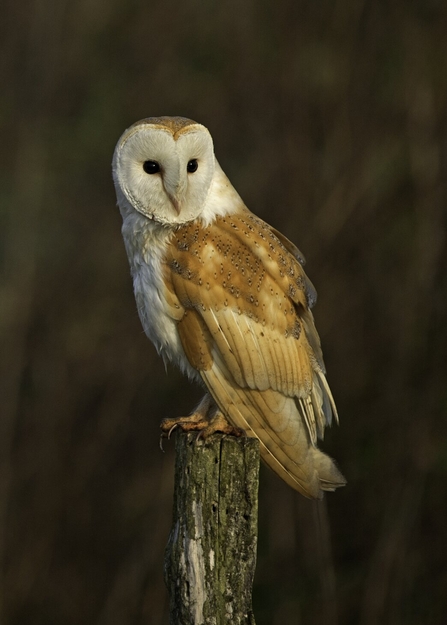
{"x": 151, "y": 167}
{"x": 192, "y": 166}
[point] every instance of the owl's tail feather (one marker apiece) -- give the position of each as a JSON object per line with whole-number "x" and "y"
{"x": 328, "y": 472}
{"x": 275, "y": 419}
{"x": 320, "y": 471}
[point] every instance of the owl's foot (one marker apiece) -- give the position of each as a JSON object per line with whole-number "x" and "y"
{"x": 199, "y": 422}
{"x": 195, "y": 422}
{"x": 219, "y": 423}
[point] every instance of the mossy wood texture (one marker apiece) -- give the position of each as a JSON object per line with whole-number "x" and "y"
{"x": 211, "y": 554}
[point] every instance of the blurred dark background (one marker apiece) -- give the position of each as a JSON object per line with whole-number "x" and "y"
{"x": 330, "y": 119}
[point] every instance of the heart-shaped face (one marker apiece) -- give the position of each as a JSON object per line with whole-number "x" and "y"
{"x": 163, "y": 168}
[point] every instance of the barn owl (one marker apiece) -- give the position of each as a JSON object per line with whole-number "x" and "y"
{"x": 224, "y": 296}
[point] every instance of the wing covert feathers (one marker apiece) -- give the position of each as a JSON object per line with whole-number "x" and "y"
{"x": 248, "y": 329}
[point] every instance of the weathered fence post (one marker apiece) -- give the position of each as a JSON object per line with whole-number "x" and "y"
{"x": 211, "y": 553}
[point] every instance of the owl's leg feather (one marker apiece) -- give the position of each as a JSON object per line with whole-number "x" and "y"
{"x": 206, "y": 419}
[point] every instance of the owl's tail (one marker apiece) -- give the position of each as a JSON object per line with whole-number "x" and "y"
{"x": 319, "y": 470}
{"x": 280, "y": 425}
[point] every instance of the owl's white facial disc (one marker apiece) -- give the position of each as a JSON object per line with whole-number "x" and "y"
{"x": 164, "y": 173}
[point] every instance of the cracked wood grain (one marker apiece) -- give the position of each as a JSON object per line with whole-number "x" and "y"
{"x": 211, "y": 553}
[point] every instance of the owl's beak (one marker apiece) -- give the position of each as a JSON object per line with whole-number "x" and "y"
{"x": 175, "y": 185}
{"x": 176, "y": 204}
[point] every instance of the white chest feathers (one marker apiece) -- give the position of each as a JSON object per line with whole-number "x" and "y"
{"x": 146, "y": 244}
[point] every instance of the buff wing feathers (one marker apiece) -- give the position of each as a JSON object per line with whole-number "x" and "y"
{"x": 250, "y": 333}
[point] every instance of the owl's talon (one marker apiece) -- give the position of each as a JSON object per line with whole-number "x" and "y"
{"x": 171, "y": 430}
{"x": 200, "y": 437}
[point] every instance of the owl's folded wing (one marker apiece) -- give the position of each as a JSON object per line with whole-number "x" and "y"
{"x": 253, "y": 340}
{"x": 276, "y": 420}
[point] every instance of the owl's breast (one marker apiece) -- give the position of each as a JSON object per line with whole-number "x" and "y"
{"x": 159, "y": 312}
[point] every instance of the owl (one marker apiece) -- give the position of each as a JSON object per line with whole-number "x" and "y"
{"x": 224, "y": 296}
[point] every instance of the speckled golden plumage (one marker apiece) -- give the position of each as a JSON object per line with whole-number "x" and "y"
{"x": 237, "y": 266}
{"x": 244, "y": 299}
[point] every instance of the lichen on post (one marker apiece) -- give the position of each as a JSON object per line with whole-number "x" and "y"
{"x": 211, "y": 553}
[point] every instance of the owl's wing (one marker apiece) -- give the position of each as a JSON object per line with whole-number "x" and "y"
{"x": 249, "y": 331}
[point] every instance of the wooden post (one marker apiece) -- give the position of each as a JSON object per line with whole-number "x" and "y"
{"x": 211, "y": 553}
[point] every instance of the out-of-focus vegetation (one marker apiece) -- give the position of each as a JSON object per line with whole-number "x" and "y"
{"x": 330, "y": 119}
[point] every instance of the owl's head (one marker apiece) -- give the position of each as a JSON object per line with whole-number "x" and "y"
{"x": 163, "y": 168}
